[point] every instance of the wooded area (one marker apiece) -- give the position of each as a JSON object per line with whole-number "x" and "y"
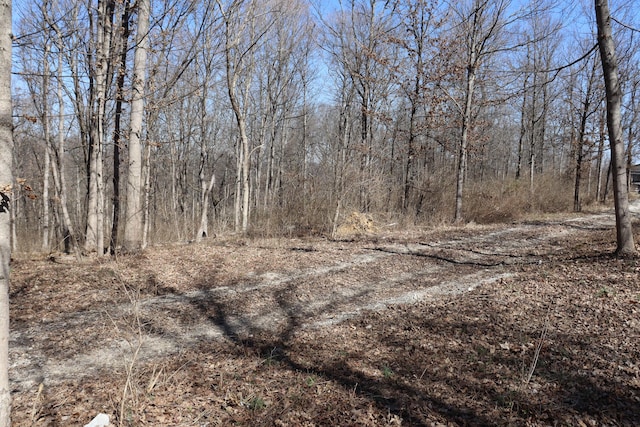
{"x": 141, "y": 122}
{"x": 127, "y": 123}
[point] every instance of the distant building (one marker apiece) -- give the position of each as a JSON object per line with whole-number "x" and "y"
{"x": 634, "y": 177}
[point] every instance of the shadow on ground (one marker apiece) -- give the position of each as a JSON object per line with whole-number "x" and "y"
{"x": 461, "y": 360}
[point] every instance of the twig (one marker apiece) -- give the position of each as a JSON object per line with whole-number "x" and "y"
{"x": 536, "y": 356}
{"x": 423, "y": 372}
{"x": 35, "y": 410}
{"x": 128, "y": 385}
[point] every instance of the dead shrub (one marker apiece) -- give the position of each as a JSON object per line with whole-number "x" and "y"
{"x": 355, "y": 225}
{"x": 504, "y": 201}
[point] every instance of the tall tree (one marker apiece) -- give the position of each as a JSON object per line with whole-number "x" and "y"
{"x": 588, "y": 106}
{"x": 624, "y": 230}
{"x": 245, "y": 26}
{"x": 133, "y": 218}
{"x": 6, "y": 182}
{"x": 45, "y": 120}
{"x": 483, "y": 22}
{"x": 418, "y": 69}
{"x": 58, "y": 165}
{"x": 123, "y": 48}
{"x": 209, "y": 121}
{"x": 537, "y": 93}
{"x": 94, "y": 241}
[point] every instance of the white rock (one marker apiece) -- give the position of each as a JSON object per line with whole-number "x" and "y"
{"x": 101, "y": 420}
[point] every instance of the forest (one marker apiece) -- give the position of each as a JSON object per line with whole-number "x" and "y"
{"x": 346, "y": 212}
{"x": 138, "y": 123}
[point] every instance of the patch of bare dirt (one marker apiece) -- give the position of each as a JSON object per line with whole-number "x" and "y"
{"x": 524, "y": 324}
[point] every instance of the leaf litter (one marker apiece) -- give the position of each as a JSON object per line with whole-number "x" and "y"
{"x": 530, "y": 323}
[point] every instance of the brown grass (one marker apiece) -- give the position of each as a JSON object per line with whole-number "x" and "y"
{"x": 500, "y": 202}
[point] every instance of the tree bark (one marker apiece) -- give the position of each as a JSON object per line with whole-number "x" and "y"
{"x": 146, "y": 220}
{"x": 464, "y": 139}
{"x": 203, "y": 229}
{"x": 45, "y": 117}
{"x": 133, "y": 219}
{"x": 117, "y": 134}
{"x": 95, "y": 210}
{"x": 59, "y": 170}
{"x": 601, "y": 138}
{"x": 6, "y": 181}
{"x": 624, "y": 230}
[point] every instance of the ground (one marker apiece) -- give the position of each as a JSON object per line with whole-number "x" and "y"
{"x": 529, "y": 323}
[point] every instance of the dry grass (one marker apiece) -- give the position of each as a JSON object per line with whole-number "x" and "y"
{"x": 501, "y": 202}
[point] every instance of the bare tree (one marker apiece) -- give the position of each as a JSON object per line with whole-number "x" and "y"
{"x": 537, "y": 90}
{"x": 417, "y": 72}
{"x": 6, "y": 184}
{"x": 483, "y": 22}
{"x": 123, "y": 48}
{"x": 624, "y": 230}
{"x": 209, "y": 121}
{"x": 94, "y": 241}
{"x": 133, "y": 219}
{"x": 588, "y": 107}
{"x": 417, "y": 97}
{"x": 602, "y": 132}
{"x": 245, "y": 27}
{"x": 46, "y": 124}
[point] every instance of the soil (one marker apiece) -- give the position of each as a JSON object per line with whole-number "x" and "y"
{"x": 529, "y": 323}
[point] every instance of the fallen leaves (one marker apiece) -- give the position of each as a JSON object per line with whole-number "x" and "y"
{"x": 453, "y": 359}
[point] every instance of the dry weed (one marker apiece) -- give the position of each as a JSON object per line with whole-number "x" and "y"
{"x": 355, "y": 225}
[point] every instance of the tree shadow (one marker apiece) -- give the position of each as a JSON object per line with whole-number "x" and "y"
{"x": 281, "y": 345}
{"x": 462, "y": 376}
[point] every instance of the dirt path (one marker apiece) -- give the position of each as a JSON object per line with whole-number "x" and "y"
{"x": 175, "y": 298}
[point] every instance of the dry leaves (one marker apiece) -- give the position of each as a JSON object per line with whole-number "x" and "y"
{"x": 458, "y": 359}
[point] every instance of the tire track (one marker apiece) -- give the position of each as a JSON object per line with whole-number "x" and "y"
{"x": 315, "y": 297}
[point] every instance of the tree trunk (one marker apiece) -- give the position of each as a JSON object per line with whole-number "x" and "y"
{"x": 624, "y": 230}
{"x": 117, "y": 133}
{"x": 95, "y": 209}
{"x": 59, "y": 174}
{"x": 147, "y": 193}
{"x": 631, "y": 132}
{"x": 523, "y": 127}
{"x": 203, "y": 230}
{"x": 246, "y": 165}
{"x": 6, "y": 181}
{"x": 580, "y": 153}
{"x": 133, "y": 219}
{"x": 577, "y": 205}
{"x": 46, "y": 220}
{"x": 532, "y": 125}
{"x": 237, "y": 200}
{"x": 236, "y": 62}
{"x": 466, "y": 123}
{"x": 47, "y": 149}
{"x": 601, "y": 138}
